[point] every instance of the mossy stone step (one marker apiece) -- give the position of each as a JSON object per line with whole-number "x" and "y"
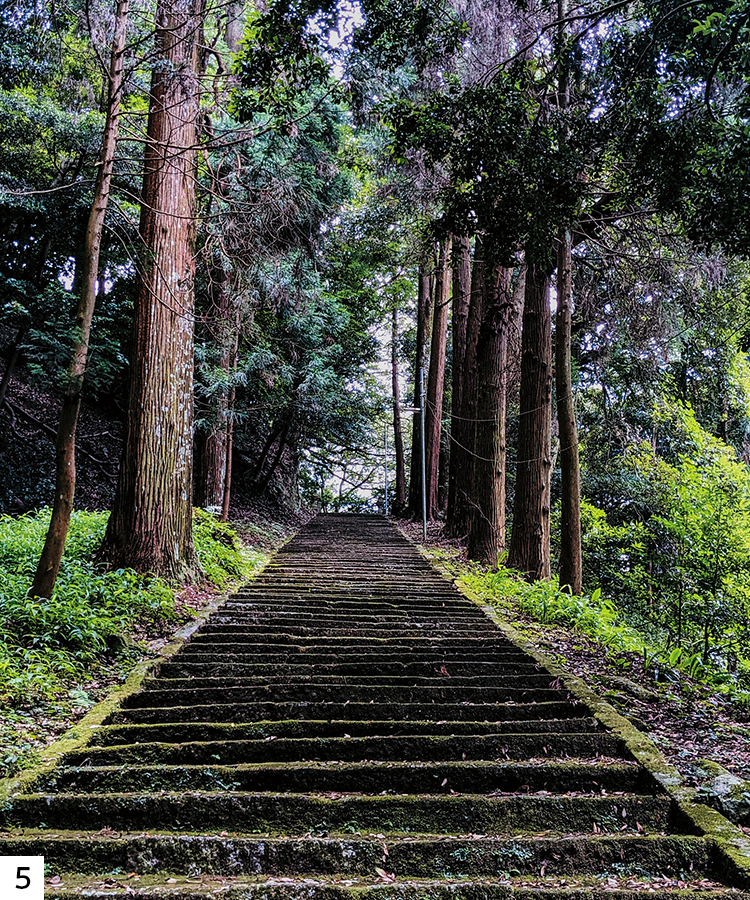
{"x": 232, "y": 680}
{"x": 258, "y": 653}
{"x": 435, "y": 748}
{"x": 253, "y": 712}
{"x": 479, "y": 777}
{"x": 413, "y": 643}
{"x": 187, "y": 669}
{"x": 330, "y": 692}
{"x": 285, "y": 814}
{"x": 179, "y": 732}
{"x": 425, "y": 856}
{"x": 200, "y": 887}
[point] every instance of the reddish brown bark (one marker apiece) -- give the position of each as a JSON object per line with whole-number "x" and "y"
{"x": 529, "y": 545}
{"x": 459, "y": 324}
{"x": 398, "y": 437}
{"x": 65, "y": 448}
{"x": 424, "y": 317}
{"x": 436, "y": 379}
{"x": 571, "y": 561}
{"x": 487, "y": 531}
{"x": 462, "y": 434}
{"x": 150, "y": 528}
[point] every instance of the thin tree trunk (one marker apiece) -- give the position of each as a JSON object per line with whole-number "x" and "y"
{"x": 150, "y": 528}
{"x": 276, "y": 460}
{"x": 424, "y": 314}
{"x": 12, "y": 360}
{"x": 529, "y": 545}
{"x": 436, "y": 379}
{"x": 65, "y": 448}
{"x": 463, "y": 432}
{"x": 398, "y": 437}
{"x": 230, "y": 436}
{"x": 571, "y": 562}
{"x": 261, "y": 462}
{"x": 487, "y": 531}
{"x": 459, "y": 325}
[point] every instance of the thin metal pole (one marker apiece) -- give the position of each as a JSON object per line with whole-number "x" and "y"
{"x": 421, "y": 429}
{"x": 385, "y": 464}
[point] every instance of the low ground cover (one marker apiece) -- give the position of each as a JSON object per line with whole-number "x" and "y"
{"x": 60, "y": 656}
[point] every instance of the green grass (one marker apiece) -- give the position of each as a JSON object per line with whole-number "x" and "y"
{"x": 49, "y": 645}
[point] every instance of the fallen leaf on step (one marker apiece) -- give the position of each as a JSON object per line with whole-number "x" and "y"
{"x": 385, "y": 876}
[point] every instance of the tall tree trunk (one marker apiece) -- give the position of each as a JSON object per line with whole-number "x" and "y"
{"x": 487, "y": 531}
{"x": 227, "y": 492}
{"x": 214, "y": 446}
{"x": 65, "y": 449}
{"x": 463, "y": 431}
{"x": 571, "y": 562}
{"x": 398, "y": 437}
{"x": 459, "y": 325}
{"x": 424, "y": 315}
{"x": 150, "y": 528}
{"x": 436, "y": 379}
{"x": 529, "y": 545}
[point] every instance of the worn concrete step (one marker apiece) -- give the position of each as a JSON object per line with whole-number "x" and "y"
{"x": 279, "y": 814}
{"x": 370, "y": 777}
{"x": 388, "y": 747}
{"x": 417, "y": 856}
{"x": 179, "y": 732}
{"x": 340, "y": 629}
{"x": 254, "y": 712}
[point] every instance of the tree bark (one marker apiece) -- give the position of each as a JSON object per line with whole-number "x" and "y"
{"x": 65, "y": 447}
{"x": 571, "y": 562}
{"x": 529, "y": 545}
{"x": 463, "y": 431}
{"x": 214, "y": 446}
{"x": 487, "y": 530}
{"x": 150, "y": 528}
{"x": 424, "y": 316}
{"x": 436, "y": 379}
{"x": 459, "y": 325}
{"x": 398, "y": 437}
{"x": 12, "y": 360}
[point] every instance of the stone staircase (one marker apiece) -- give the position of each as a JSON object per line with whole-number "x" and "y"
{"x": 348, "y": 727}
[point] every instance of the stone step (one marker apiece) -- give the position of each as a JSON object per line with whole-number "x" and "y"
{"x": 231, "y": 681}
{"x": 259, "y": 653}
{"x": 279, "y": 814}
{"x": 254, "y": 712}
{"x": 179, "y": 732}
{"x": 458, "y": 669}
{"x": 200, "y": 887}
{"x": 425, "y": 856}
{"x": 370, "y": 777}
{"x": 390, "y": 747}
{"x": 310, "y": 692}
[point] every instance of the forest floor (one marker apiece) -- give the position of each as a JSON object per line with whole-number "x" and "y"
{"x": 690, "y": 722}
{"x": 25, "y": 732}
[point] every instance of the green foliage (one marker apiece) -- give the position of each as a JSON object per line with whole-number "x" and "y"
{"x": 48, "y": 644}
{"x": 220, "y": 551}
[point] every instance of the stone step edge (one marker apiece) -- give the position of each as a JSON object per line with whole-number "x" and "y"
{"x": 732, "y": 843}
{"x": 388, "y": 887}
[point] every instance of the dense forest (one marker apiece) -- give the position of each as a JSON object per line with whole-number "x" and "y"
{"x": 332, "y": 255}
